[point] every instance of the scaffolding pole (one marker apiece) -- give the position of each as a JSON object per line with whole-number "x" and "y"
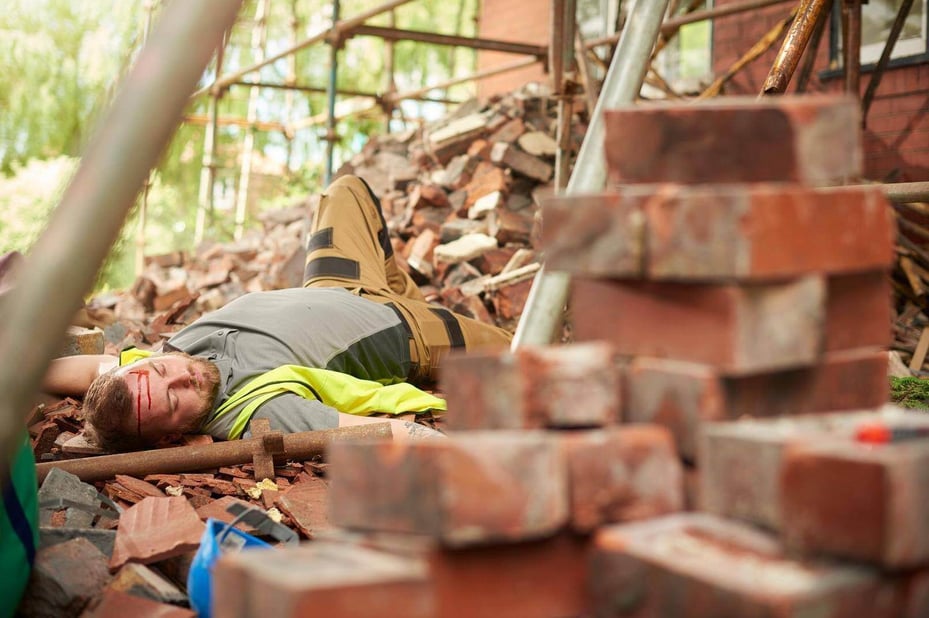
{"x": 259, "y": 37}
{"x": 545, "y": 306}
{"x": 208, "y": 163}
{"x": 64, "y": 261}
{"x": 878, "y": 73}
{"x": 331, "y": 135}
{"x": 225, "y": 81}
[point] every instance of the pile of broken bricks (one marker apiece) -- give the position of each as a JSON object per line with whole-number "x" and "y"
{"x": 461, "y": 198}
{"x": 705, "y": 281}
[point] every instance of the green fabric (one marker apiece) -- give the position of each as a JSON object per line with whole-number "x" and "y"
{"x": 14, "y": 560}
{"x": 332, "y": 388}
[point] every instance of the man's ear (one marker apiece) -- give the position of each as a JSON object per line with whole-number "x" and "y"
{"x": 171, "y": 439}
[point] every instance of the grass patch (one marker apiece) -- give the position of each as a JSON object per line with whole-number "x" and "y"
{"x": 909, "y": 392}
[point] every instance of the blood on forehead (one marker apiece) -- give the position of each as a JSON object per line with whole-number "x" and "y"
{"x": 141, "y": 375}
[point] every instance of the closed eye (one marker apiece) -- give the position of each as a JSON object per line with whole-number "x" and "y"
{"x": 159, "y": 369}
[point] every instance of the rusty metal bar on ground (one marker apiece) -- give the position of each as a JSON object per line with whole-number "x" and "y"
{"x": 851, "y": 41}
{"x": 549, "y": 294}
{"x": 127, "y": 144}
{"x": 812, "y": 51}
{"x": 878, "y": 73}
{"x": 395, "y": 34}
{"x": 673, "y": 24}
{"x": 222, "y": 82}
{"x": 297, "y": 446}
{"x": 800, "y": 32}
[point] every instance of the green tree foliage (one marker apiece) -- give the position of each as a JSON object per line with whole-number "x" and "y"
{"x": 62, "y": 60}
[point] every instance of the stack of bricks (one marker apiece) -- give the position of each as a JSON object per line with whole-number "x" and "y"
{"x": 713, "y": 283}
{"x": 495, "y": 520}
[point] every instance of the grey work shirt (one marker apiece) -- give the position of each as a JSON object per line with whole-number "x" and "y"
{"x": 326, "y": 328}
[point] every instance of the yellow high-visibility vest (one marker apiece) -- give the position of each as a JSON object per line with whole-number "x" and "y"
{"x": 337, "y": 390}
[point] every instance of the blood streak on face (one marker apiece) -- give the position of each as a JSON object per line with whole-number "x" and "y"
{"x": 141, "y": 374}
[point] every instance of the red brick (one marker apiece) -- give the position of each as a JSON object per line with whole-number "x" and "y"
{"x": 682, "y": 396}
{"x": 471, "y": 489}
{"x": 809, "y": 140}
{"x": 741, "y": 462}
{"x": 602, "y": 235}
{"x": 858, "y": 311}
{"x": 727, "y": 232}
{"x": 858, "y": 501}
{"x": 545, "y": 577}
{"x": 156, "y": 529}
{"x": 116, "y": 604}
{"x": 65, "y": 577}
{"x": 740, "y": 329}
{"x": 621, "y": 474}
{"x": 701, "y": 566}
{"x": 321, "y": 579}
{"x": 574, "y": 385}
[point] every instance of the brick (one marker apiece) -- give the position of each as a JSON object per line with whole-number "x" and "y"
{"x": 115, "y": 604}
{"x": 702, "y": 566}
{"x": 80, "y": 340}
{"x": 682, "y": 396}
{"x": 566, "y": 386}
{"x": 857, "y": 501}
{"x": 466, "y": 248}
{"x": 708, "y": 233}
{"x": 141, "y": 581}
{"x": 740, "y": 462}
{"x": 101, "y": 539}
{"x": 807, "y": 140}
{"x": 520, "y": 162}
{"x": 156, "y": 529}
{"x": 66, "y": 486}
{"x": 307, "y": 505}
{"x": 869, "y": 323}
{"x": 594, "y": 235}
{"x": 621, "y": 474}
{"x": 509, "y": 226}
{"x": 322, "y": 579}
{"x": 510, "y": 300}
{"x": 65, "y": 577}
{"x": 738, "y": 328}
{"x": 472, "y": 489}
{"x": 501, "y": 580}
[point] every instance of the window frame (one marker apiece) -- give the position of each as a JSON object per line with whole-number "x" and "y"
{"x": 898, "y": 59}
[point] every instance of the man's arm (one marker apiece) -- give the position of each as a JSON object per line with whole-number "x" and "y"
{"x": 72, "y": 375}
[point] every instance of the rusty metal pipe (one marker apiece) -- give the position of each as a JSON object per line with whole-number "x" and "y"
{"x": 800, "y": 32}
{"x": 809, "y": 58}
{"x": 851, "y": 21}
{"x": 297, "y": 446}
{"x": 63, "y": 263}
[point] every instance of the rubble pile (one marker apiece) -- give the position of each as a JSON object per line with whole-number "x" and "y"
{"x": 461, "y": 199}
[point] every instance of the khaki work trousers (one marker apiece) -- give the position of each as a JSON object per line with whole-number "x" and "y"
{"x": 349, "y": 247}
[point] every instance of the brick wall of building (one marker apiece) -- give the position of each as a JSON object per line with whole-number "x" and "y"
{"x": 522, "y": 21}
{"x": 897, "y": 134}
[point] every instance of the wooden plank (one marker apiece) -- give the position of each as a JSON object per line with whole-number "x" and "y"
{"x": 919, "y": 356}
